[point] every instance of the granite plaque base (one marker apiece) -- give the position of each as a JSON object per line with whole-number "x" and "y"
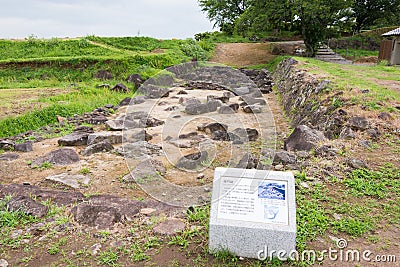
{"x": 253, "y": 213}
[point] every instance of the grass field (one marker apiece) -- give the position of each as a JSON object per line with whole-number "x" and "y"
{"x": 71, "y": 66}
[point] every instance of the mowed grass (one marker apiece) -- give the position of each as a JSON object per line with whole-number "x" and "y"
{"x": 65, "y": 64}
{"x": 382, "y": 82}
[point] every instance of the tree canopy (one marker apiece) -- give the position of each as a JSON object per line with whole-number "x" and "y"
{"x": 315, "y": 20}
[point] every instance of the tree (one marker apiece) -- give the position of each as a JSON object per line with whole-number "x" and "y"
{"x": 224, "y": 13}
{"x": 368, "y": 12}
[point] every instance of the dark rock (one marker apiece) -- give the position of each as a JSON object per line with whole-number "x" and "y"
{"x": 212, "y": 127}
{"x": 120, "y": 124}
{"x": 136, "y": 79}
{"x": 9, "y": 157}
{"x": 28, "y": 206}
{"x": 169, "y": 227}
{"x": 247, "y": 134}
{"x": 151, "y": 122}
{"x": 136, "y": 135}
{"x": 213, "y": 105}
{"x": 57, "y": 197}
{"x": 356, "y": 164}
{"x": 374, "y": 133}
{"x": 109, "y": 106}
{"x": 241, "y": 91}
{"x": 104, "y": 75}
{"x": 252, "y": 109}
{"x": 102, "y": 216}
{"x": 366, "y": 91}
{"x": 154, "y": 92}
{"x": 138, "y": 100}
{"x": 125, "y": 102}
{"x": 248, "y": 162}
{"x": 347, "y": 134}
{"x": 189, "y": 101}
{"x": 303, "y": 138}
{"x": 385, "y": 116}
{"x": 225, "y": 109}
{"x": 284, "y": 157}
{"x": 326, "y": 151}
{"x": 196, "y": 109}
{"x": 74, "y": 139}
{"x": 182, "y": 92}
{"x": 84, "y": 129}
{"x": 188, "y": 135}
{"x": 365, "y": 143}
{"x": 358, "y": 123}
{"x": 173, "y": 108}
{"x": 104, "y": 85}
{"x": 192, "y": 161}
{"x": 162, "y": 80}
{"x": 147, "y": 170}
{"x": 7, "y": 145}
{"x": 322, "y": 86}
{"x": 137, "y": 115}
{"x": 223, "y": 99}
{"x": 234, "y": 106}
{"x": 112, "y": 137}
{"x": 63, "y": 156}
{"x": 24, "y": 147}
{"x": 248, "y": 101}
{"x": 120, "y": 88}
{"x": 137, "y": 150}
{"x": 103, "y": 146}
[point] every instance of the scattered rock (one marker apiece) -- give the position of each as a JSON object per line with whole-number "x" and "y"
{"x": 103, "y": 146}
{"x": 154, "y": 92}
{"x": 284, "y": 157}
{"x": 103, "y": 86}
{"x": 7, "y": 145}
{"x": 136, "y": 135}
{"x": 358, "y": 123}
{"x": 189, "y": 101}
{"x": 303, "y": 138}
{"x": 28, "y": 206}
{"x": 183, "y": 143}
{"x": 248, "y": 162}
{"x": 120, "y": 124}
{"x": 150, "y": 122}
{"x": 249, "y": 101}
{"x": 24, "y": 147}
{"x": 139, "y": 149}
{"x": 385, "y": 116}
{"x": 201, "y": 176}
{"x": 252, "y": 109}
{"x": 213, "y": 105}
{"x": 102, "y": 216}
{"x": 148, "y": 169}
{"x": 95, "y": 249}
{"x": 247, "y": 134}
{"x": 356, "y": 164}
{"x": 225, "y": 109}
{"x": 104, "y": 75}
{"x": 182, "y": 92}
{"x": 192, "y": 161}
{"x": 224, "y": 99}
{"x": 365, "y": 143}
{"x": 374, "y": 133}
{"x": 326, "y": 151}
{"x": 120, "y": 88}
{"x": 136, "y": 79}
{"x": 212, "y": 127}
{"x": 147, "y": 211}
{"x": 63, "y": 156}
{"x": 74, "y": 139}
{"x": 9, "y": 157}
{"x": 74, "y": 181}
{"x": 125, "y": 102}
{"x": 112, "y": 137}
{"x": 234, "y": 106}
{"x": 169, "y": 227}
{"x": 347, "y": 134}
{"x": 196, "y": 109}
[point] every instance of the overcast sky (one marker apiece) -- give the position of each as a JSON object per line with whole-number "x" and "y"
{"x": 76, "y": 18}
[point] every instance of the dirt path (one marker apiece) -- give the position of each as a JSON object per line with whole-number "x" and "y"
{"x": 242, "y": 55}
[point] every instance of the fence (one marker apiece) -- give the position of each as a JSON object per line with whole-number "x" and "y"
{"x": 385, "y": 51}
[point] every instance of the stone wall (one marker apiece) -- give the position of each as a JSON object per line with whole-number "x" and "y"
{"x": 308, "y": 101}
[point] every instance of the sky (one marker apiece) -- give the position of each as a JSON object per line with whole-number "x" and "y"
{"x": 164, "y": 19}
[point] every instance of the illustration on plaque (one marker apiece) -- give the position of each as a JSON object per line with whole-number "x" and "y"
{"x": 270, "y": 212}
{"x": 272, "y": 191}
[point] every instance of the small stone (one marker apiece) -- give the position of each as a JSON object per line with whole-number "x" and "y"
{"x": 95, "y": 249}
{"x": 74, "y": 181}
{"x": 305, "y": 185}
{"x": 279, "y": 167}
{"x": 24, "y": 147}
{"x": 303, "y": 138}
{"x": 337, "y": 217}
{"x": 356, "y": 164}
{"x": 3, "y": 263}
{"x": 385, "y": 116}
{"x": 252, "y": 109}
{"x": 120, "y": 88}
{"x": 358, "y": 123}
{"x": 365, "y": 143}
{"x": 103, "y": 146}
{"x": 170, "y": 227}
{"x": 225, "y": 109}
{"x": 28, "y": 206}
{"x": 200, "y": 176}
{"x": 147, "y": 211}
{"x": 9, "y": 157}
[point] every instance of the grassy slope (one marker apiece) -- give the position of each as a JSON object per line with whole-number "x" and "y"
{"x": 58, "y": 63}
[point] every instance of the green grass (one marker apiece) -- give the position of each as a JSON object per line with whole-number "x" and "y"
{"x": 356, "y": 53}
{"x": 353, "y": 77}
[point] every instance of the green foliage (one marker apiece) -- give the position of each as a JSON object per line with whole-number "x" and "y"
{"x": 108, "y": 258}
{"x": 200, "y": 51}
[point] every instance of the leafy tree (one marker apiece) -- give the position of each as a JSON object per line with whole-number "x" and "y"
{"x": 368, "y": 12}
{"x": 224, "y": 13}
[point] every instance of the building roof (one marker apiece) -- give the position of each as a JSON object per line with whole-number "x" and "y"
{"x": 395, "y": 32}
